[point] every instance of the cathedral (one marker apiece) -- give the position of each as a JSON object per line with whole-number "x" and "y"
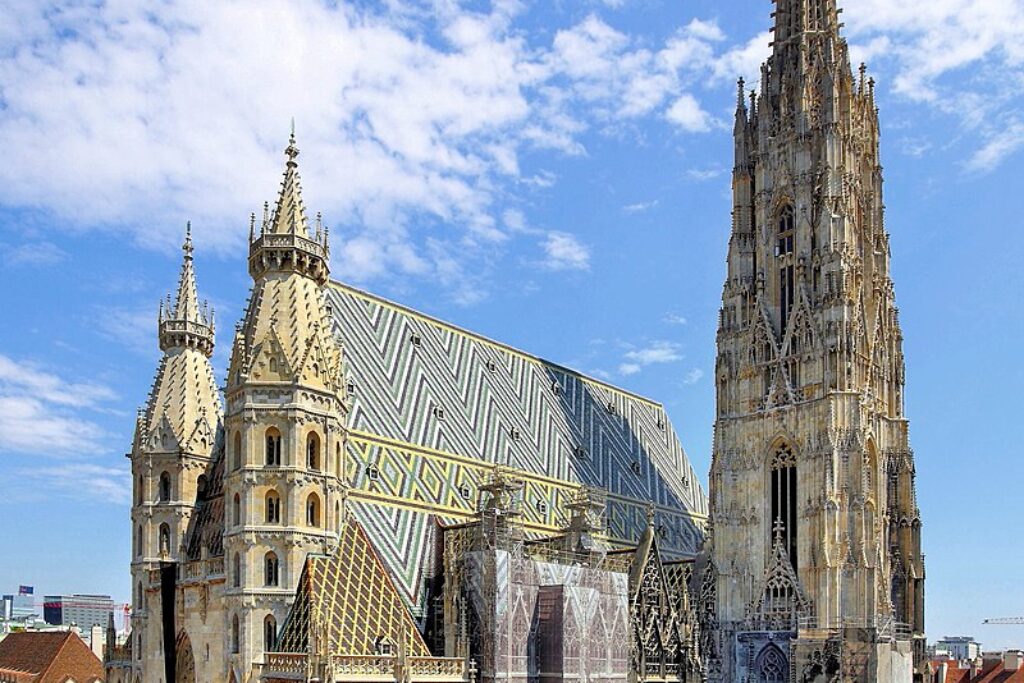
{"x": 377, "y": 495}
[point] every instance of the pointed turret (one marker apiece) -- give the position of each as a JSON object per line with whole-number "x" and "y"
{"x": 284, "y": 243}
{"x": 189, "y": 324}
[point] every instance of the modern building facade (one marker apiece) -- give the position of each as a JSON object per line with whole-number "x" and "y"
{"x": 815, "y": 565}
{"x": 83, "y": 611}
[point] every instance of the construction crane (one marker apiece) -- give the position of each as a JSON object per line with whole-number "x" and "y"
{"x": 1015, "y": 621}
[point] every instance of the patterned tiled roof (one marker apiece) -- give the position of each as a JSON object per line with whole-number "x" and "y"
{"x": 346, "y": 602}
{"x": 433, "y": 406}
{"x": 206, "y": 526}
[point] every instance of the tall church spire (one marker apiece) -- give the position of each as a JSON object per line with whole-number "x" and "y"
{"x": 810, "y": 429}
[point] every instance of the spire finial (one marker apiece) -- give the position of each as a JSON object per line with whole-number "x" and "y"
{"x": 187, "y": 246}
{"x": 292, "y": 150}
{"x": 740, "y": 92}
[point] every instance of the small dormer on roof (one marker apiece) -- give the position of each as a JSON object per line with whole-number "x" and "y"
{"x": 284, "y": 242}
{"x": 189, "y": 323}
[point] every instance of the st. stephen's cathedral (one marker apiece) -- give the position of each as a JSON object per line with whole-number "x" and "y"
{"x": 385, "y": 497}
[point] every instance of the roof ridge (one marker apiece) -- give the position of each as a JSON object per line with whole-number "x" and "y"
{"x": 494, "y": 342}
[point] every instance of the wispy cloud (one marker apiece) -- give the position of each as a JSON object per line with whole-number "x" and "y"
{"x": 640, "y": 207}
{"x": 35, "y": 254}
{"x": 693, "y": 376}
{"x": 655, "y": 353}
{"x": 42, "y": 413}
{"x": 84, "y": 481}
{"x": 674, "y": 319}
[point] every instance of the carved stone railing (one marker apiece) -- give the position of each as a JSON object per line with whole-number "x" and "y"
{"x": 201, "y": 569}
{"x": 370, "y": 668}
{"x": 363, "y": 667}
{"x": 436, "y": 668}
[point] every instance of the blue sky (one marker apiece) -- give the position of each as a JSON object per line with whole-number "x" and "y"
{"x": 554, "y": 175}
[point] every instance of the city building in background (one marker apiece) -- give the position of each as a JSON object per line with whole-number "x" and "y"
{"x": 21, "y": 606}
{"x": 958, "y": 647}
{"x": 81, "y": 610}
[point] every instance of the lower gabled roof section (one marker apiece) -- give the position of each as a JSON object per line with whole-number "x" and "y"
{"x": 347, "y": 604}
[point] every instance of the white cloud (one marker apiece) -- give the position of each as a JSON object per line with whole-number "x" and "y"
{"x": 687, "y": 113}
{"x": 963, "y": 58}
{"x": 674, "y": 319}
{"x": 563, "y": 251}
{"x": 655, "y": 353}
{"x": 131, "y": 117}
{"x": 703, "y": 174}
{"x": 693, "y": 376}
{"x": 39, "y": 411}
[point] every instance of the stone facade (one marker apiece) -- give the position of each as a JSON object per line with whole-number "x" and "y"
{"x": 815, "y": 571}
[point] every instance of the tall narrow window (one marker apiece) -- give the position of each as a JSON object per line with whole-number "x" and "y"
{"x": 236, "y": 451}
{"x": 271, "y": 570}
{"x": 784, "y": 498}
{"x": 237, "y": 510}
{"x": 165, "y": 539}
{"x": 165, "y": 487}
{"x": 313, "y": 451}
{"x": 273, "y": 508}
{"x": 786, "y": 296}
{"x": 273, "y": 447}
{"x": 236, "y": 571}
{"x": 784, "y": 248}
{"x": 138, "y": 541}
{"x": 235, "y": 635}
{"x": 785, "y": 237}
{"x": 313, "y": 510}
{"x": 269, "y": 633}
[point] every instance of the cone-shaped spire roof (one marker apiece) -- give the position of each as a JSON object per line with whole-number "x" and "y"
{"x": 284, "y": 242}
{"x": 189, "y": 323}
{"x": 187, "y": 303}
{"x": 290, "y": 214}
{"x": 183, "y": 411}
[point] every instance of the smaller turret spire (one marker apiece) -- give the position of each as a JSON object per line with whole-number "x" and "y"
{"x": 285, "y": 242}
{"x": 188, "y": 323}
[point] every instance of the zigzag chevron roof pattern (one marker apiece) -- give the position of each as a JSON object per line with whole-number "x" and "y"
{"x": 417, "y": 383}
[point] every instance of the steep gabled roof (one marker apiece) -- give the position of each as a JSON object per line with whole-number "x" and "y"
{"x": 346, "y": 602}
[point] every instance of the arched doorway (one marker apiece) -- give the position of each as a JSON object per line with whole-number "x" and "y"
{"x": 185, "y": 663}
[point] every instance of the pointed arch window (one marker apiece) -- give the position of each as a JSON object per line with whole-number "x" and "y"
{"x": 313, "y": 510}
{"x": 237, "y": 510}
{"x": 273, "y": 508}
{"x": 235, "y": 634}
{"x": 313, "y": 451}
{"x": 783, "y": 495}
{"x": 165, "y": 539}
{"x": 271, "y": 570}
{"x": 273, "y": 447}
{"x": 140, "y": 488}
{"x": 772, "y": 666}
{"x": 269, "y": 633}
{"x": 138, "y": 541}
{"x": 165, "y": 487}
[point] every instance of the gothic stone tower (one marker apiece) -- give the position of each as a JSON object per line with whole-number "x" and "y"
{"x": 815, "y": 564}
{"x": 284, "y": 427}
{"x": 175, "y": 443}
